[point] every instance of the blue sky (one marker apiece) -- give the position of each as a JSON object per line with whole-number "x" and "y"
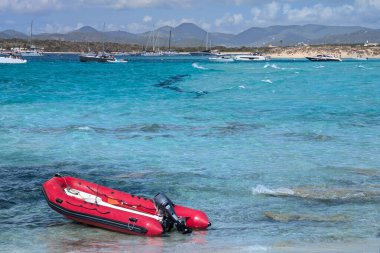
{"x": 231, "y": 16}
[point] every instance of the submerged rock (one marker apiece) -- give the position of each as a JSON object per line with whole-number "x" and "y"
{"x": 286, "y": 217}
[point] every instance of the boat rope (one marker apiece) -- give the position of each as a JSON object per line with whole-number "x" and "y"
{"x": 93, "y": 209}
{"x": 89, "y": 198}
{"x": 121, "y": 201}
{"x": 97, "y": 192}
{"x": 64, "y": 178}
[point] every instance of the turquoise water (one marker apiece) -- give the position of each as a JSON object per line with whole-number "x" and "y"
{"x": 279, "y": 153}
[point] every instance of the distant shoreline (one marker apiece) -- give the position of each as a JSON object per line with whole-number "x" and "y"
{"x": 281, "y": 55}
{"x": 368, "y": 50}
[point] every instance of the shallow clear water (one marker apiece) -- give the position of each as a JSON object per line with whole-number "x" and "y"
{"x": 278, "y": 153}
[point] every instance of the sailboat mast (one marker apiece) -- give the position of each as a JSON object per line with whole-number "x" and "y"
{"x": 158, "y": 41}
{"x": 31, "y": 32}
{"x": 170, "y": 38}
{"x": 104, "y": 30}
{"x": 154, "y": 40}
{"x": 206, "y": 40}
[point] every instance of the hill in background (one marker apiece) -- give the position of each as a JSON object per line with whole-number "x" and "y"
{"x": 190, "y": 35}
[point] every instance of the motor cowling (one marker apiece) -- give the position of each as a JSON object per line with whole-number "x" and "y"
{"x": 165, "y": 208}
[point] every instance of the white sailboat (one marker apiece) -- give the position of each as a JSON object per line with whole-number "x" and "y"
{"x": 97, "y": 57}
{"x": 155, "y": 38}
{"x": 170, "y": 52}
{"x": 32, "y": 50}
{"x": 207, "y": 51}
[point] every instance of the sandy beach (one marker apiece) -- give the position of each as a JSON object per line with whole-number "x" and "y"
{"x": 304, "y": 51}
{"x": 355, "y": 51}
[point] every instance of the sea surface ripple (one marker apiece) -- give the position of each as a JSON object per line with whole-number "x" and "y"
{"x": 279, "y": 153}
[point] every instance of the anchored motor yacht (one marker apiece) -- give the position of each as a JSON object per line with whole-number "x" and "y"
{"x": 12, "y": 59}
{"x": 323, "y": 57}
{"x": 252, "y": 57}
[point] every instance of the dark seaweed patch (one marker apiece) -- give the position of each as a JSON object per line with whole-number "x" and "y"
{"x": 309, "y": 136}
{"x": 170, "y": 82}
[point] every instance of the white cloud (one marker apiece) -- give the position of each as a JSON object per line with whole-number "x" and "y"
{"x": 29, "y": 6}
{"x": 229, "y": 19}
{"x": 204, "y": 25}
{"x": 137, "y": 27}
{"x": 275, "y": 13}
{"x": 147, "y": 19}
{"x": 57, "y": 28}
{"x": 364, "y": 4}
{"x": 112, "y": 27}
{"x": 122, "y": 4}
{"x": 171, "y": 22}
{"x": 266, "y": 13}
{"x": 317, "y": 13}
{"x": 272, "y": 10}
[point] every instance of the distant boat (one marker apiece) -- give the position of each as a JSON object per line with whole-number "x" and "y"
{"x": 97, "y": 57}
{"x": 12, "y": 59}
{"x": 155, "y": 39}
{"x": 32, "y": 51}
{"x": 119, "y": 61}
{"x": 360, "y": 58}
{"x": 252, "y": 57}
{"x": 92, "y": 57}
{"x": 170, "y": 52}
{"x": 221, "y": 58}
{"x": 207, "y": 51}
{"x": 203, "y": 53}
{"x": 324, "y": 57}
{"x": 152, "y": 53}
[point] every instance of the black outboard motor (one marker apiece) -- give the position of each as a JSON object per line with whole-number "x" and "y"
{"x": 165, "y": 208}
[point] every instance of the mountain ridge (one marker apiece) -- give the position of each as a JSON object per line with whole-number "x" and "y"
{"x": 191, "y": 35}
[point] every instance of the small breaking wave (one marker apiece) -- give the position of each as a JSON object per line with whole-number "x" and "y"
{"x": 274, "y": 66}
{"x": 261, "y": 189}
{"x": 256, "y": 248}
{"x": 322, "y": 193}
{"x": 197, "y": 66}
{"x": 363, "y": 67}
{"x": 319, "y": 67}
{"x": 266, "y": 81}
{"x": 84, "y": 128}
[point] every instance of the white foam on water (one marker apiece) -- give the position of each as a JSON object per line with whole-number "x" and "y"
{"x": 255, "y": 248}
{"x": 266, "y": 81}
{"x": 197, "y": 66}
{"x": 242, "y": 87}
{"x": 282, "y": 191}
{"x": 274, "y": 66}
{"x": 319, "y": 67}
{"x": 362, "y": 67}
{"x": 85, "y": 128}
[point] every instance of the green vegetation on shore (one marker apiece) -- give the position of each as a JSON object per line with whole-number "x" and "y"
{"x": 70, "y": 46}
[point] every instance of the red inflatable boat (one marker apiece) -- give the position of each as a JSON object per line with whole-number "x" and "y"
{"x": 100, "y": 206}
